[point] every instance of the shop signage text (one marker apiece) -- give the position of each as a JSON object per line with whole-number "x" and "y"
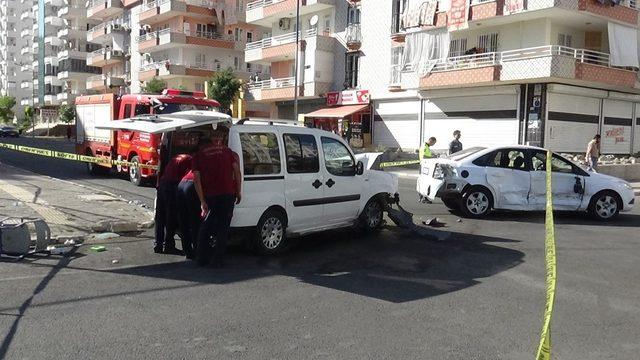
{"x": 348, "y": 97}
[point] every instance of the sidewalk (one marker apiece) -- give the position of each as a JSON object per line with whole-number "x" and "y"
{"x": 69, "y": 209}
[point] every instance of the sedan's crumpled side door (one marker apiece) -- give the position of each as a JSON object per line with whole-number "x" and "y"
{"x": 508, "y": 176}
{"x": 565, "y": 184}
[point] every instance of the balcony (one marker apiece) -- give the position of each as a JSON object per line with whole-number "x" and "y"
{"x": 104, "y": 82}
{"x": 102, "y": 9}
{"x": 25, "y": 101}
{"x": 353, "y": 37}
{"x": 53, "y": 41}
{"x": 540, "y": 64}
{"x": 266, "y": 12}
{"x": 166, "y": 70}
{"x": 71, "y": 32}
{"x": 71, "y": 12}
{"x": 104, "y": 57}
{"x": 67, "y": 97}
{"x": 27, "y": 14}
{"x": 72, "y": 54}
{"x": 277, "y": 48}
{"x": 627, "y": 12}
{"x": 166, "y": 39}
{"x": 51, "y": 100}
{"x": 25, "y": 68}
{"x": 161, "y": 10}
{"x": 54, "y": 21}
{"x": 273, "y": 89}
{"x": 56, "y": 3}
{"x": 103, "y": 33}
{"x": 25, "y": 50}
{"x": 25, "y": 84}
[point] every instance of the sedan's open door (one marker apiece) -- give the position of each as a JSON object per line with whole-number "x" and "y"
{"x": 156, "y": 124}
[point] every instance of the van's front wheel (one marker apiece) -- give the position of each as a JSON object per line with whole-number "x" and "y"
{"x": 271, "y": 233}
{"x": 371, "y": 218}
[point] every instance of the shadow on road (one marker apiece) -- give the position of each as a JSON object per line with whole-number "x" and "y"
{"x": 393, "y": 266}
{"x": 565, "y": 218}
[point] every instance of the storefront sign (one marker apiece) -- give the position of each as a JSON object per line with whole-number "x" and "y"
{"x": 458, "y": 15}
{"x": 514, "y": 6}
{"x": 348, "y": 97}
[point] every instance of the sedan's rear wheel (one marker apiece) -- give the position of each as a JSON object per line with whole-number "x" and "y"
{"x": 605, "y": 205}
{"x": 476, "y": 202}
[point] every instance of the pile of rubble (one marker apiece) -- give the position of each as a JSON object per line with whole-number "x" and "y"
{"x": 606, "y": 159}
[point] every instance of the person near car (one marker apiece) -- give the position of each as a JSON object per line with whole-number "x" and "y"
{"x": 425, "y": 151}
{"x": 455, "y": 145}
{"x": 166, "y": 218}
{"x": 218, "y": 183}
{"x": 593, "y": 153}
{"x": 188, "y": 206}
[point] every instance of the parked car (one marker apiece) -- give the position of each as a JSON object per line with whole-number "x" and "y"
{"x": 8, "y": 131}
{"x": 477, "y": 180}
{"x": 296, "y": 180}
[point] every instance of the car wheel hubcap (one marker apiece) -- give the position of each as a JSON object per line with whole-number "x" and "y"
{"x": 374, "y": 215}
{"x": 477, "y": 203}
{"x": 606, "y": 206}
{"x": 271, "y": 233}
{"x": 133, "y": 172}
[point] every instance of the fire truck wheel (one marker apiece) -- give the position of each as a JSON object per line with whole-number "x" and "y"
{"x": 134, "y": 172}
{"x": 93, "y": 169}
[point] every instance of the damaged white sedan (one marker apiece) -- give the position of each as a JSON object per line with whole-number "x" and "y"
{"x": 477, "y": 180}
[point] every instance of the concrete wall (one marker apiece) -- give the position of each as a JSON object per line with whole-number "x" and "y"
{"x": 628, "y": 172}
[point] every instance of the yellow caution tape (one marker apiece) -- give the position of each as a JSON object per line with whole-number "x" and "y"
{"x": 75, "y": 157}
{"x": 544, "y": 349}
{"x": 399, "y": 163}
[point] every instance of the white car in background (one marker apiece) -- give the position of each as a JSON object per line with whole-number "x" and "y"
{"x": 477, "y": 180}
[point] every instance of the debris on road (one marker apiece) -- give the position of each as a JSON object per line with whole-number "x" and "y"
{"x": 98, "y": 248}
{"x": 103, "y": 236}
{"x": 404, "y": 219}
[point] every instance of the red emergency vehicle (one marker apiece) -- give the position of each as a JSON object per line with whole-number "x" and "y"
{"x": 138, "y": 147}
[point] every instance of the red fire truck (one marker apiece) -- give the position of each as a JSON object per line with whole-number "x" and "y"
{"x": 136, "y": 147}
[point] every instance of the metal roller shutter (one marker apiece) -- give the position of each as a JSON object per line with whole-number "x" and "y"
{"x": 484, "y": 120}
{"x": 572, "y": 121}
{"x": 616, "y": 126}
{"x": 636, "y": 138}
{"x": 396, "y": 124}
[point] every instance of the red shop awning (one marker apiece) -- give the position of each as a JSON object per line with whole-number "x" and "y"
{"x": 337, "y": 112}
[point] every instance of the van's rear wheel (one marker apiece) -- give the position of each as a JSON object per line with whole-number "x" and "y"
{"x": 135, "y": 175}
{"x": 271, "y": 237}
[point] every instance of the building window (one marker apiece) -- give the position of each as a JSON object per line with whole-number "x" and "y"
{"x": 248, "y": 67}
{"x": 199, "y": 86}
{"x": 236, "y": 63}
{"x": 488, "y": 42}
{"x": 240, "y": 6}
{"x": 457, "y": 47}
{"x": 352, "y": 61}
{"x": 201, "y": 61}
{"x": 249, "y": 37}
{"x": 353, "y": 15}
{"x": 564, "y": 40}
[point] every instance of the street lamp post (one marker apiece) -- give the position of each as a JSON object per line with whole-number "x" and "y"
{"x": 296, "y": 69}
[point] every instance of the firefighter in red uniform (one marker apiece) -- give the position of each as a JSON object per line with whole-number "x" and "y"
{"x": 166, "y": 218}
{"x": 218, "y": 182}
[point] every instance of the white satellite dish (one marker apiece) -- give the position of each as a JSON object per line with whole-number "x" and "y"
{"x": 314, "y": 20}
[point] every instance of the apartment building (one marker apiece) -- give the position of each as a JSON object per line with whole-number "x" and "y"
{"x": 539, "y": 72}
{"x": 15, "y": 52}
{"x": 184, "y": 42}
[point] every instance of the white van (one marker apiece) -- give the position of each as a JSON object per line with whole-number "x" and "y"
{"x": 296, "y": 180}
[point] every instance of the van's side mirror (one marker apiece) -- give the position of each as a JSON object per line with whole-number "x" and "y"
{"x": 359, "y": 168}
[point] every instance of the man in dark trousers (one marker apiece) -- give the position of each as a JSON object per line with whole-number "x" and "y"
{"x": 189, "y": 209}
{"x": 218, "y": 182}
{"x": 166, "y": 210}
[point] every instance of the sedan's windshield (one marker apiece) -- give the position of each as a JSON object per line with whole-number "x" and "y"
{"x": 464, "y": 153}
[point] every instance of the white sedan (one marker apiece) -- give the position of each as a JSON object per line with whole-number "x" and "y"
{"x": 477, "y": 180}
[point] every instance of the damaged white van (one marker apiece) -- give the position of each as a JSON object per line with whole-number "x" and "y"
{"x": 296, "y": 180}
{"x": 477, "y": 180}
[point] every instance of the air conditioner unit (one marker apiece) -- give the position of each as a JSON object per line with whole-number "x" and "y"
{"x": 284, "y": 24}
{"x": 115, "y": 26}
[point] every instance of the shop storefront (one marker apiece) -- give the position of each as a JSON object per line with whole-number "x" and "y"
{"x": 347, "y": 114}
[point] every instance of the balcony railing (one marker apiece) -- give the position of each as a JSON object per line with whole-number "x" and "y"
{"x": 273, "y": 83}
{"x": 280, "y": 40}
{"x": 261, "y": 3}
{"x": 200, "y": 34}
{"x": 353, "y": 34}
{"x": 199, "y": 66}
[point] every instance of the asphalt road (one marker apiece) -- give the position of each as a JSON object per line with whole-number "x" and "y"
{"x": 72, "y": 170}
{"x": 337, "y": 295}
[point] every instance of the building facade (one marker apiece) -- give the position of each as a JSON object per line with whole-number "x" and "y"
{"x": 16, "y": 22}
{"x": 547, "y": 73}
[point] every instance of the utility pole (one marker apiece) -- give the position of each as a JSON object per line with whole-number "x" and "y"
{"x": 295, "y": 75}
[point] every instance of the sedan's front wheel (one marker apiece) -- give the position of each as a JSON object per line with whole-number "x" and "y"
{"x": 476, "y": 202}
{"x": 605, "y": 205}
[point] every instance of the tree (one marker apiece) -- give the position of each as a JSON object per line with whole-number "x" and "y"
{"x": 224, "y": 87}
{"x": 154, "y": 86}
{"x": 67, "y": 114}
{"x": 27, "y": 121}
{"x": 6, "y": 105}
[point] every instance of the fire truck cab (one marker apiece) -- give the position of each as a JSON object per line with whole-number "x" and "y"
{"x": 134, "y": 146}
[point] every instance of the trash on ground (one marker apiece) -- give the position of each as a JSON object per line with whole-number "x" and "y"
{"x": 59, "y": 250}
{"x": 115, "y": 261}
{"x": 434, "y": 222}
{"x": 98, "y": 248}
{"x": 404, "y": 219}
{"x": 104, "y": 236}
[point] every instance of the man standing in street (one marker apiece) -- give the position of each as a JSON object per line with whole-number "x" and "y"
{"x": 455, "y": 145}
{"x": 425, "y": 151}
{"x": 166, "y": 218}
{"x": 218, "y": 182}
{"x": 593, "y": 153}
